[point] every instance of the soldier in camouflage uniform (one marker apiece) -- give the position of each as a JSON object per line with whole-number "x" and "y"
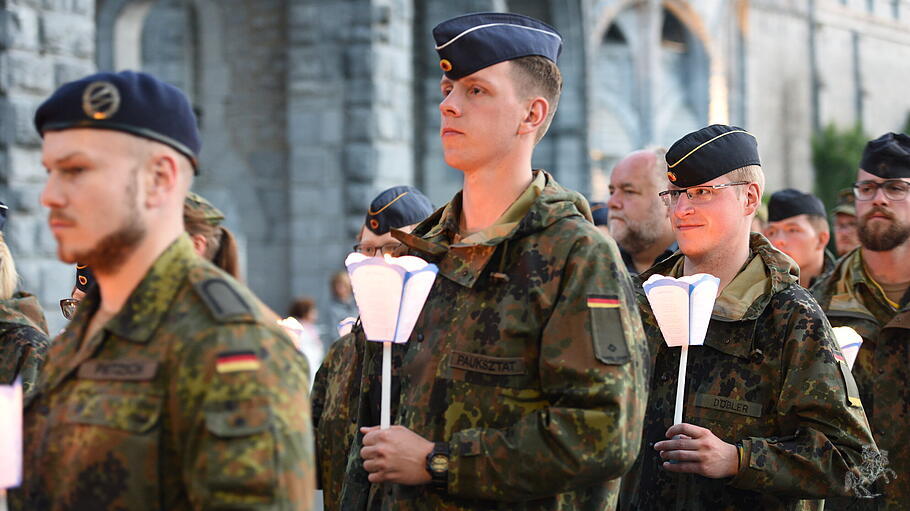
{"x": 23, "y": 330}
{"x": 173, "y": 387}
{"x": 771, "y": 414}
{"x": 522, "y": 384}
{"x": 336, "y": 388}
{"x": 869, "y": 291}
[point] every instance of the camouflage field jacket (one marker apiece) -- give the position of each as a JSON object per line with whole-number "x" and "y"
{"x": 769, "y": 377}
{"x": 881, "y": 370}
{"x": 23, "y": 341}
{"x": 335, "y": 395}
{"x": 191, "y": 397}
{"x": 528, "y": 360}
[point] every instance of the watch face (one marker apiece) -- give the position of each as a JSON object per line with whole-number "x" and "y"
{"x": 439, "y": 463}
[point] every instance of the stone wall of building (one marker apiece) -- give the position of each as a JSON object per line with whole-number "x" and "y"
{"x": 43, "y": 44}
{"x": 308, "y": 108}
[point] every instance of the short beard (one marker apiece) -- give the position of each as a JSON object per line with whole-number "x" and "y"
{"x": 638, "y": 238}
{"x": 882, "y": 240}
{"x": 114, "y": 249}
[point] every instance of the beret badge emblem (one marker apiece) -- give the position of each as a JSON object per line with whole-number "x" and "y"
{"x": 100, "y": 100}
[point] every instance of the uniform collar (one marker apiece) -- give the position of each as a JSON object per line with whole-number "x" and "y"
{"x": 145, "y": 308}
{"x": 463, "y": 262}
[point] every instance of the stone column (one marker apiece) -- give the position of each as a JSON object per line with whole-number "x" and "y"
{"x": 350, "y": 125}
{"x": 43, "y": 44}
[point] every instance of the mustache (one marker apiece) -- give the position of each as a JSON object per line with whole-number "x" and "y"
{"x": 60, "y": 217}
{"x": 878, "y": 210}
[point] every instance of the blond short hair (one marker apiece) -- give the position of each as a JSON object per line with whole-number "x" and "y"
{"x": 750, "y": 173}
{"x": 9, "y": 278}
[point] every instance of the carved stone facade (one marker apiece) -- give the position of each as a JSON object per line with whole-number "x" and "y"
{"x": 308, "y": 108}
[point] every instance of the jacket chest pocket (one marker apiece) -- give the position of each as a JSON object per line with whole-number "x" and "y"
{"x": 730, "y": 389}
{"x": 113, "y": 439}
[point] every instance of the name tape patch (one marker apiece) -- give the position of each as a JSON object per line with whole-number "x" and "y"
{"x": 234, "y": 361}
{"x": 123, "y": 370}
{"x": 725, "y": 404}
{"x": 485, "y": 364}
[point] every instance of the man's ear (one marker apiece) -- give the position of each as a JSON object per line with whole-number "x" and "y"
{"x": 535, "y": 115}
{"x": 753, "y": 198}
{"x": 162, "y": 176}
{"x": 823, "y": 238}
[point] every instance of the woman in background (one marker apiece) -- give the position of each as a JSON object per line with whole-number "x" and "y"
{"x": 211, "y": 240}
{"x": 23, "y": 329}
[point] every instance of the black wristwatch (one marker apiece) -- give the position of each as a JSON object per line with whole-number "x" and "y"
{"x": 438, "y": 465}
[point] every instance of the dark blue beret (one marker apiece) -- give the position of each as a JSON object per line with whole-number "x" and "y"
{"x": 888, "y": 156}
{"x": 84, "y": 278}
{"x": 136, "y": 103}
{"x": 3, "y": 212}
{"x": 472, "y": 42}
{"x": 789, "y": 203}
{"x": 600, "y": 212}
{"x": 397, "y": 207}
{"x": 709, "y": 153}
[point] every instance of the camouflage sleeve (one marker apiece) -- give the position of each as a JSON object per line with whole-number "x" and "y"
{"x": 241, "y": 419}
{"x": 592, "y": 373}
{"x": 329, "y": 383}
{"x": 819, "y": 403}
{"x": 22, "y": 353}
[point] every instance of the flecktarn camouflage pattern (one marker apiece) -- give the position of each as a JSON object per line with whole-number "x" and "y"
{"x": 882, "y": 373}
{"x": 770, "y": 377}
{"x": 191, "y": 397}
{"x": 23, "y": 341}
{"x": 528, "y": 360}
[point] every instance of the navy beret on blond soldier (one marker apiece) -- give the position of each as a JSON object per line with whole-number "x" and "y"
{"x": 888, "y": 156}
{"x": 131, "y": 102}
{"x": 84, "y": 278}
{"x": 469, "y": 43}
{"x": 788, "y": 203}
{"x": 4, "y": 210}
{"x": 397, "y": 207}
{"x": 709, "y": 153}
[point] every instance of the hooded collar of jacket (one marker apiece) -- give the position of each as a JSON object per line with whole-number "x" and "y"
{"x": 23, "y": 309}
{"x": 465, "y": 262}
{"x": 767, "y": 272}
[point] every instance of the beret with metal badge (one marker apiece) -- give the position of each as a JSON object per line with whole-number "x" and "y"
{"x": 84, "y": 277}
{"x": 397, "y": 207}
{"x": 888, "y": 156}
{"x": 789, "y": 203}
{"x": 471, "y": 42}
{"x": 128, "y": 101}
{"x": 709, "y": 153}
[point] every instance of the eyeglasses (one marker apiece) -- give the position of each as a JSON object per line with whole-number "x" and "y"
{"x": 373, "y": 251}
{"x": 894, "y": 189}
{"x": 68, "y": 307}
{"x": 696, "y": 194}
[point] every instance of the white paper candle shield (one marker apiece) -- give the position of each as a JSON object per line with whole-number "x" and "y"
{"x": 11, "y": 435}
{"x": 850, "y": 342}
{"x": 390, "y": 293}
{"x": 682, "y": 308}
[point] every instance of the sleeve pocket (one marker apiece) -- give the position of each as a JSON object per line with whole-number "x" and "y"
{"x": 240, "y": 453}
{"x": 608, "y": 329}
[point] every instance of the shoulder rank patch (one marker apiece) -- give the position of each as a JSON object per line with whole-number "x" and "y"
{"x": 235, "y": 361}
{"x": 223, "y": 300}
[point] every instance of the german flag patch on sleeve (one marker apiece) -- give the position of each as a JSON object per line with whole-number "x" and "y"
{"x": 234, "y": 361}
{"x": 603, "y": 301}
